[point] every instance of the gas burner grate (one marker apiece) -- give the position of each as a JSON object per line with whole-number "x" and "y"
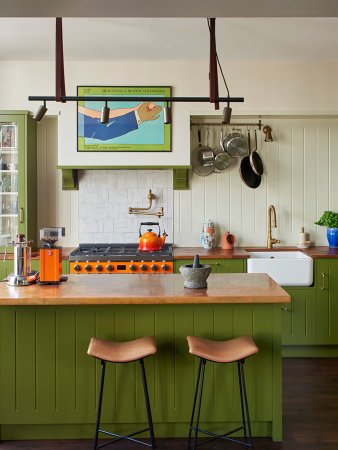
{"x": 118, "y": 252}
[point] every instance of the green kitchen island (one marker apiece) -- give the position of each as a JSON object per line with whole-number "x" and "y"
{"x": 49, "y": 385}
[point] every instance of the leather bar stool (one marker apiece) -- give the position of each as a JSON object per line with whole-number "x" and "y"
{"x": 123, "y": 352}
{"x": 233, "y": 350}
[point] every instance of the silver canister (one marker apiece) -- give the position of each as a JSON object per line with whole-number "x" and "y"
{"x": 22, "y": 259}
{"x": 22, "y": 275}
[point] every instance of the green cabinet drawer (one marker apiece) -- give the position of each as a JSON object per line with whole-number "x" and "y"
{"x": 217, "y": 265}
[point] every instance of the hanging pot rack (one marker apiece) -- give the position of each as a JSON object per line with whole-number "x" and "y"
{"x": 267, "y": 130}
{"x": 259, "y": 125}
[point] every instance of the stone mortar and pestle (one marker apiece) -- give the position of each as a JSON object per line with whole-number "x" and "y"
{"x": 195, "y": 275}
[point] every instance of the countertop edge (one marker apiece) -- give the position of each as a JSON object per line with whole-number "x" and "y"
{"x": 315, "y": 252}
{"x": 142, "y": 301}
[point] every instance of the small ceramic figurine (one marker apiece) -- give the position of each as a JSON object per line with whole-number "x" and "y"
{"x": 208, "y": 236}
{"x": 228, "y": 241}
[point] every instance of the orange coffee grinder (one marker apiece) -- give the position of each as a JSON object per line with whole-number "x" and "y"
{"x": 51, "y": 256}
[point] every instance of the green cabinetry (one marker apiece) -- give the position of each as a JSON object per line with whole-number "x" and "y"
{"x": 18, "y": 188}
{"x": 299, "y": 319}
{"x": 327, "y": 301}
{"x": 217, "y": 265}
{"x": 49, "y": 385}
{"x": 312, "y": 317}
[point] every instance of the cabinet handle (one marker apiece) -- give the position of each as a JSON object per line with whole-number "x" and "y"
{"x": 322, "y": 287}
{"x": 284, "y": 308}
{"x": 21, "y": 215}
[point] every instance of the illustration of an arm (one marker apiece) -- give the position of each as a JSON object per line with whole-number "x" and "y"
{"x": 121, "y": 123}
{"x": 95, "y": 114}
{"x": 117, "y": 126}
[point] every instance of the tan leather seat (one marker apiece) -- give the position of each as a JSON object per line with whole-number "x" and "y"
{"x": 121, "y": 352}
{"x": 222, "y": 351}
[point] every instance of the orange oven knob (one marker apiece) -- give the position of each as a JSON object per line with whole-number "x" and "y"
{"x": 88, "y": 268}
{"x": 154, "y": 267}
{"x": 133, "y": 267}
{"x": 98, "y": 268}
{"x": 143, "y": 267}
{"x": 109, "y": 267}
{"x": 77, "y": 268}
{"x": 165, "y": 267}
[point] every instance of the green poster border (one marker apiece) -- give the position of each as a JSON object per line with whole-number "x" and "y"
{"x": 120, "y": 91}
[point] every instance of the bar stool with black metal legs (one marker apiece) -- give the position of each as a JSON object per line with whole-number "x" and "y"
{"x": 233, "y": 350}
{"x": 123, "y": 352}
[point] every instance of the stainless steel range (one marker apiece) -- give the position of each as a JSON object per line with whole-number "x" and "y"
{"x": 120, "y": 258}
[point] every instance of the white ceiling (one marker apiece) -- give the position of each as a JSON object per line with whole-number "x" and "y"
{"x": 114, "y": 30}
{"x": 172, "y": 8}
{"x": 170, "y": 39}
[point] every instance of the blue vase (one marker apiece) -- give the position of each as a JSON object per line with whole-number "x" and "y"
{"x": 332, "y": 237}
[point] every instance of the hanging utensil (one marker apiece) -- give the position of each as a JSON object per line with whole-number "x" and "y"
{"x": 249, "y": 177}
{"x": 255, "y": 160}
{"x": 222, "y": 160}
{"x": 202, "y": 157}
{"x": 235, "y": 144}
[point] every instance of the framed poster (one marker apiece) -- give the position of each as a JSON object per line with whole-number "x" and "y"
{"x": 132, "y": 127}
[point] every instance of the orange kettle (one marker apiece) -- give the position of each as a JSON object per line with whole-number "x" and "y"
{"x": 150, "y": 241}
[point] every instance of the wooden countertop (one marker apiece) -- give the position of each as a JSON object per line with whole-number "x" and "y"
{"x": 147, "y": 289}
{"x": 241, "y": 252}
{"x": 213, "y": 253}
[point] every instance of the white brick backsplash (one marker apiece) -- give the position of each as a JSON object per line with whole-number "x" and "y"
{"x": 87, "y": 237}
{"x": 91, "y": 225}
{"x": 106, "y": 195}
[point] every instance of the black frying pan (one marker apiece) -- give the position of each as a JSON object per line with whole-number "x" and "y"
{"x": 255, "y": 160}
{"x": 249, "y": 177}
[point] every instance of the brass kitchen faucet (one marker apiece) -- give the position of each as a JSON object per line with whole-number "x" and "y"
{"x": 271, "y": 240}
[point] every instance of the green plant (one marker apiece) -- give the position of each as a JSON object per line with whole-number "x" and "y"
{"x": 329, "y": 219}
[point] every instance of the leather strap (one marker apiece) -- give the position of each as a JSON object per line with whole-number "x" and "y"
{"x": 60, "y": 89}
{"x": 213, "y": 78}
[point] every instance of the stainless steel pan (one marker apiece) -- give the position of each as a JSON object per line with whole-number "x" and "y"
{"x": 235, "y": 144}
{"x": 202, "y": 157}
{"x": 222, "y": 159}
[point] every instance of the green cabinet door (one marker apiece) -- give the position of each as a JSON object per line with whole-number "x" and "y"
{"x": 299, "y": 321}
{"x": 6, "y": 267}
{"x": 217, "y": 265}
{"x": 18, "y": 168}
{"x": 327, "y": 301}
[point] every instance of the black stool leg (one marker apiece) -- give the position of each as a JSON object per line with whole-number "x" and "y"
{"x": 99, "y": 406}
{"x": 242, "y": 399}
{"x": 202, "y": 369}
{"x": 146, "y": 396}
{"x": 241, "y": 366}
{"x": 194, "y": 404}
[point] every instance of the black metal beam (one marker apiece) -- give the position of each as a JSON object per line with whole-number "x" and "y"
{"x": 93, "y": 98}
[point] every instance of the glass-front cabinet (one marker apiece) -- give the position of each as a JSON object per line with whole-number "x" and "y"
{"x": 17, "y": 176}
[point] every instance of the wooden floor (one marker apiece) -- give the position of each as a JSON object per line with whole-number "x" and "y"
{"x": 310, "y": 414}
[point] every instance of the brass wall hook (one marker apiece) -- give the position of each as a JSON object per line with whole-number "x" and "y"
{"x": 267, "y": 131}
{"x": 146, "y": 211}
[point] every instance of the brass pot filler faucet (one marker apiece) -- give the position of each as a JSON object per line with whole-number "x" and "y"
{"x": 272, "y": 222}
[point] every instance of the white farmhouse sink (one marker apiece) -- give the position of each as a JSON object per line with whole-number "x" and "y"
{"x": 286, "y": 268}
